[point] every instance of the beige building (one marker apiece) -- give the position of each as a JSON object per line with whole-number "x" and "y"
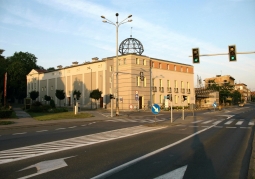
{"x": 242, "y": 88}
{"x": 161, "y": 77}
{"x": 220, "y": 80}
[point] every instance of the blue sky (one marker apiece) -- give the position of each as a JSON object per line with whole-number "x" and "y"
{"x": 59, "y": 32}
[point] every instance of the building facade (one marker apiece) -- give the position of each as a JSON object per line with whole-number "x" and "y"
{"x": 220, "y": 80}
{"x": 242, "y": 88}
{"x": 161, "y": 77}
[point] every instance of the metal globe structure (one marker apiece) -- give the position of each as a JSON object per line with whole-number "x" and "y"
{"x": 131, "y": 45}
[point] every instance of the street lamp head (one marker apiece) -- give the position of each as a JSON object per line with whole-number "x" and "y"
{"x": 129, "y": 16}
{"x": 117, "y": 14}
{"x": 104, "y": 21}
{"x": 130, "y": 20}
{"x": 103, "y": 17}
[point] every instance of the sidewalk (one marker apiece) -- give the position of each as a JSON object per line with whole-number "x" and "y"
{"x": 25, "y": 120}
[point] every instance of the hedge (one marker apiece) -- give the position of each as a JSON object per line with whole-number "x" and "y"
{"x": 5, "y": 113}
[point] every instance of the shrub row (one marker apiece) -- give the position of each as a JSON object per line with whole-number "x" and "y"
{"x": 5, "y": 113}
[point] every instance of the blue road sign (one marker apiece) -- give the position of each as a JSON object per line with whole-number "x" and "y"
{"x": 155, "y": 109}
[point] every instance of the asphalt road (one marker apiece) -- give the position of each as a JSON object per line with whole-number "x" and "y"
{"x": 211, "y": 145}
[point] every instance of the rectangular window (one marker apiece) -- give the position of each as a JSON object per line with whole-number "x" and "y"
{"x": 167, "y": 66}
{"x": 137, "y": 61}
{"x": 110, "y": 68}
{"x": 138, "y": 80}
{"x": 144, "y": 62}
{"x": 187, "y": 70}
{"x": 187, "y": 85}
{"x": 174, "y": 68}
{"x": 144, "y": 82}
{"x": 124, "y": 61}
{"x": 51, "y": 88}
{"x": 152, "y": 64}
{"x": 176, "y": 99}
{"x": 168, "y": 83}
{"x": 42, "y": 88}
{"x": 160, "y": 65}
{"x": 182, "y": 85}
{"x": 160, "y": 83}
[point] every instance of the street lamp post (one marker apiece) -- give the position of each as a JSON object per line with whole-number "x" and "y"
{"x": 117, "y": 24}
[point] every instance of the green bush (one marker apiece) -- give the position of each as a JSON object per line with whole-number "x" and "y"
{"x": 6, "y": 122}
{"x": 57, "y": 110}
{"x": 52, "y": 104}
{"x": 37, "y": 103}
{"x": 5, "y": 113}
{"x": 36, "y": 109}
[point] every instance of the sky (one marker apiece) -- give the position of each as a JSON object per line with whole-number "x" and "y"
{"x": 59, "y": 32}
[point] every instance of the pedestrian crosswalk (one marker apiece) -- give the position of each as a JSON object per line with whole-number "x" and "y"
{"x": 225, "y": 122}
{"x": 20, "y": 153}
{"x": 139, "y": 120}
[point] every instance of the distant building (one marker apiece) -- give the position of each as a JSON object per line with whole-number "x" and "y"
{"x": 242, "y": 88}
{"x": 161, "y": 77}
{"x": 220, "y": 80}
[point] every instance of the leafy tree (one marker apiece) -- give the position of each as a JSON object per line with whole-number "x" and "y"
{"x": 51, "y": 69}
{"x": 95, "y": 94}
{"x": 77, "y": 93}
{"x": 47, "y": 98}
{"x": 236, "y": 97}
{"x": 60, "y": 94}
{"x": 34, "y": 95}
{"x": 52, "y": 103}
{"x": 17, "y": 67}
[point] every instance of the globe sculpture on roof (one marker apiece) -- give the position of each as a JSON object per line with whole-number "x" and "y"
{"x": 131, "y": 45}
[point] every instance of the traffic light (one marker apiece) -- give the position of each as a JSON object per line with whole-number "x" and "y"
{"x": 111, "y": 96}
{"x": 232, "y": 53}
{"x": 184, "y": 97}
{"x": 195, "y": 55}
{"x": 141, "y": 76}
{"x": 169, "y": 96}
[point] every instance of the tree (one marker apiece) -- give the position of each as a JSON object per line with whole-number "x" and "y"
{"x": 236, "y": 96}
{"x": 17, "y": 67}
{"x": 47, "y": 98}
{"x": 77, "y": 93}
{"x": 34, "y": 95}
{"x": 95, "y": 94}
{"x": 60, "y": 94}
{"x": 51, "y": 69}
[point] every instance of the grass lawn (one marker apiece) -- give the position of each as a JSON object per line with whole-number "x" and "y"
{"x": 60, "y": 115}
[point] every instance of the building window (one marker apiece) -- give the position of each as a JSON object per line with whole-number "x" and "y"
{"x": 181, "y": 69}
{"x": 176, "y": 99}
{"x": 144, "y": 62}
{"x": 51, "y": 88}
{"x": 137, "y": 61}
{"x": 187, "y": 70}
{"x": 152, "y": 64}
{"x": 174, "y": 68}
{"x": 110, "y": 80}
{"x": 110, "y": 68}
{"x": 119, "y": 61}
{"x": 42, "y": 88}
{"x": 168, "y": 83}
{"x": 167, "y": 66}
{"x": 160, "y": 65}
{"x": 144, "y": 82}
{"x": 138, "y": 80}
{"x": 124, "y": 61}
{"x": 160, "y": 83}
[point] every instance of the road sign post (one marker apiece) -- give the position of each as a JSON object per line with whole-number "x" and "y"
{"x": 155, "y": 109}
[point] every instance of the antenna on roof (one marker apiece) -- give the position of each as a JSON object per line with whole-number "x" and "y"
{"x": 131, "y": 32}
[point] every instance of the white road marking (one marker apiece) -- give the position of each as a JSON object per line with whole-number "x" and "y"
{"x": 42, "y": 131}
{"x": 21, "y": 153}
{"x": 217, "y": 122}
{"x": 176, "y": 174}
{"x": 229, "y": 122}
{"x": 196, "y": 121}
{"x": 204, "y": 126}
{"x": 19, "y": 133}
{"x": 239, "y": 123}
{"x": 84, "y": 125}
{"x": 72, "y": 127}
{"x": 218, "y": 126}
{"x": 207, "y": 122}
{"x": 251, "y": 123}
{"x": 231, "y": 127}
{"x": 60, "y": 129}
{"x": 125, "y": 165}
{"x": 46, "y": 166}
{"x": 245, "y": 127}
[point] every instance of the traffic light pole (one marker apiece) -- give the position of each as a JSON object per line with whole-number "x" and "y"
{"x": 183, "y": 110}
{"x": 216, "y": 54}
